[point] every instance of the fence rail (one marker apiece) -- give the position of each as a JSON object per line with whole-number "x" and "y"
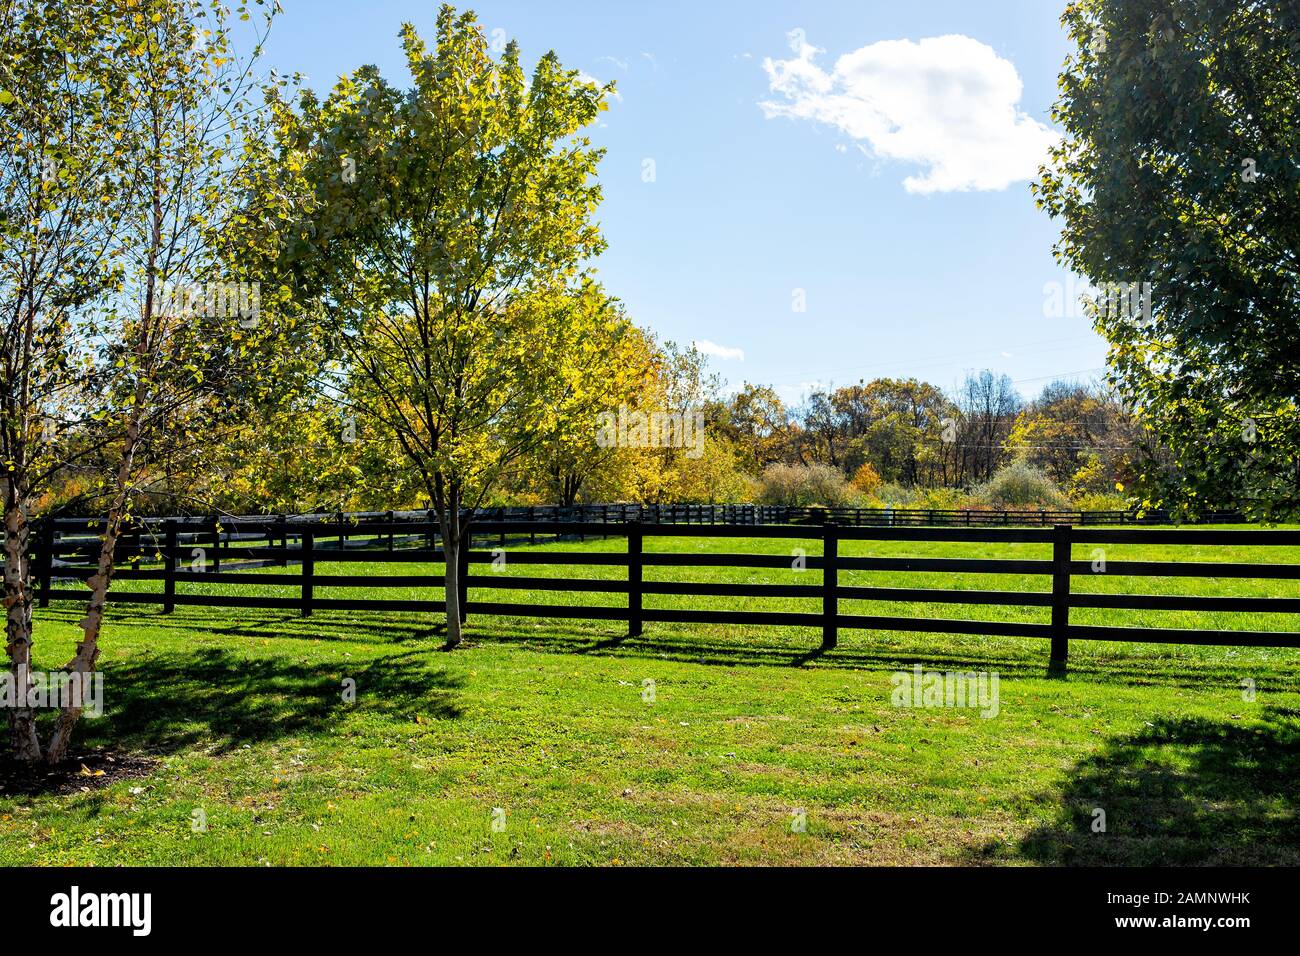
{"x": 194, "y": 552}
{"x": 621, "y": 513}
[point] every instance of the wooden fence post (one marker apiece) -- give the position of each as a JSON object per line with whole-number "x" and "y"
{"x": 45, "y": 557}
{"x": 170, "y": 548}
{"x": 216, "y": 544}
{"x": 1060, "y": 594}
{"x": 462, "y": 561}
{"x": 634, "y": 566}
{"x": 830, "y": 584}
{"x": 133, "y": 552}
{"x": 283, "y": 522}
{"x": 308, "y": 568}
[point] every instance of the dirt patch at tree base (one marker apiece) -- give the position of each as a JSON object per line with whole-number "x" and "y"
{"x": 78, "y": 773}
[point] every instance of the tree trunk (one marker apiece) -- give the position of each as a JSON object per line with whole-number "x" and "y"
{"x": 571, "y": 485}
{"x": 18, "y": 629}
{"x": 83, "y": 662}
{"x": 450, "y": 524}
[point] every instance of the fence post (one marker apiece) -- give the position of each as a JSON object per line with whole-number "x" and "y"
{"x": 133, "y": 552}
{"x": 634, "y": 566}
{"x": 462, "y": 560}
{"x": 170, "y": 547}
{"x": 392, "y": 534}
{"x": 308, "y": 567}
{"x": 216, "y": 544}
{"x": 1060, "y": 594}
{"x": 830, "y": 584}
{"x": 45, "y": 545}
{"x": 283, "y": 522}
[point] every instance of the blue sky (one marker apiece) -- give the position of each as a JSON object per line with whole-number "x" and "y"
{"x": 873, "y": 168}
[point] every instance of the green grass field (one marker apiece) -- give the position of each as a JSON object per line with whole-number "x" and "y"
{"x": 543, "y": 727}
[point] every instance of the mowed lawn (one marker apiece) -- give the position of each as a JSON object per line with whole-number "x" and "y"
{"x": 541, "y": 742}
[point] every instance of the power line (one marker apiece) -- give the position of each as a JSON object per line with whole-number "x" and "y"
{"x": 1082, "y": 371}
{"x": 931, "y": 360}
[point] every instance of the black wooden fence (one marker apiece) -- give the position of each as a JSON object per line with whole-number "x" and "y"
{"x": 845, "y": 517}
{"x": 620, "y": 513}
{"x": 194, "y": 552}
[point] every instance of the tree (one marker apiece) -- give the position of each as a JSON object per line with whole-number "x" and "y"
{"x": 304, "y": 454}
{"x": 988, "y": 405}
{"x": 903, "y": 428}
{"x": 821, "y": 430}
{"x": 895, "y": 424}
{"x": 866, "y": 480}
{"x": 59, "y": 106}
{"x": 757, "y": 422}
{"x": 569, "y": 457}
{"x": 182, "y": 350}
{"x": 1179, "y": 171}
{"x": 1083, "y": 438}
{"x": 440, "y": 238}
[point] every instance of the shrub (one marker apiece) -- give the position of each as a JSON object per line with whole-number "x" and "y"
{"x": 804, "y": 485}
{"x": 1021, "y": 485}
{"x": 1100, "y": 501}
{"x": 941, "y": 499}
{"x": 866, "y": 480}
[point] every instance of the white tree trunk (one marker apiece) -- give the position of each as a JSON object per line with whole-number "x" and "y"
{"x": 83, "y": 662}
{"x": 18, "y": 630}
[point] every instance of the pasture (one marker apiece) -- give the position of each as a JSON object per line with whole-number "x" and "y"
{"x": 564, "y": 742}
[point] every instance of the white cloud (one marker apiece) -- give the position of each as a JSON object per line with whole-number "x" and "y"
{"x": 621, "y": 64}
{"x": 948, "y": 104}
{"x": 584, "y": 77}
{"x": 723, "y": 352}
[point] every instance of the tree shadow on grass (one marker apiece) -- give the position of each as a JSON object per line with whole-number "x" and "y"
{"x": 166, "y": 702}
{"x": 865, "y": 651}
{"x": 858, "y": 650}
{"x": 1182, "y": 791}
{"x": 323, "y": 626}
